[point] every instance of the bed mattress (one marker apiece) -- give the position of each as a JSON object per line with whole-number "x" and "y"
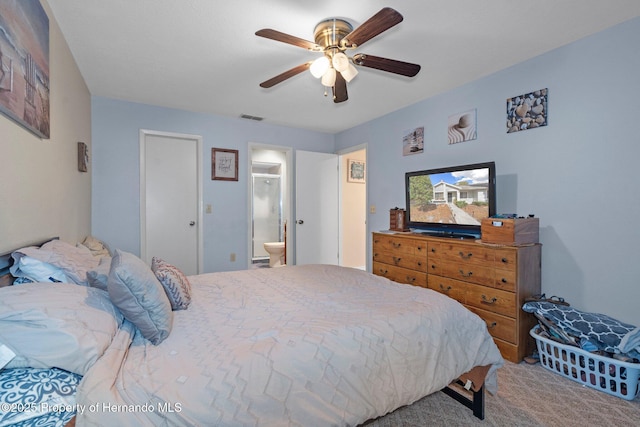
{"x": 301, "y": 346}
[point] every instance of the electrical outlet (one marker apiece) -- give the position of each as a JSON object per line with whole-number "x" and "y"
{"x": 232, "y": 257}
{"x": 372, "y": 209}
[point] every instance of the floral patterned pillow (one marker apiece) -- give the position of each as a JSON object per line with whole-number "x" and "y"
{"x": 175, "y": 283}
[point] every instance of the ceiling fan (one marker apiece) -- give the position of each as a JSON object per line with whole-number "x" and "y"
{"x": 333, "y": 37}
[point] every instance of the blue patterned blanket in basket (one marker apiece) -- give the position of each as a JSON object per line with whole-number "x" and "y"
{"x": 594, "y": 331}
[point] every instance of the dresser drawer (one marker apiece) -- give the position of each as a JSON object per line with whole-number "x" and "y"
{"x": 384, "y": 243}
{"x": 505, "y": 280}
{"x": 400, "y": 275}
{"x": 461, "y": 253}
{"x": 449, "y": 287}
{"x": 413, "y": 262}
{"x": 490, "y": 299}
{"x": 479, "y": 274}
{"x": 506, "y": 259}
{"x": 510, "y": 352}
{"x": 498, "y": 326}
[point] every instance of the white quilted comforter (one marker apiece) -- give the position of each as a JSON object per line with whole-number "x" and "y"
{"x": 312, "y": 345}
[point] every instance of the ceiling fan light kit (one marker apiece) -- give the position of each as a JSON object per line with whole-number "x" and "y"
{"x": 333, "y": 37}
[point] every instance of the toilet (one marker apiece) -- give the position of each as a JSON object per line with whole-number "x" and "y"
{"x": 276, "y": 253}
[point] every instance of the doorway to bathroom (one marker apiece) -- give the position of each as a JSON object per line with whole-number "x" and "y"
{"x": 269, "y": 205}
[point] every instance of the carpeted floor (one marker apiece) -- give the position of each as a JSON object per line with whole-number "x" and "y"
{"x": 528, "y": 396}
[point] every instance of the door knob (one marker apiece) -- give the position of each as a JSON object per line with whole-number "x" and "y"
{"x": 192, "y": 223}
{"x": 300, "y": 222}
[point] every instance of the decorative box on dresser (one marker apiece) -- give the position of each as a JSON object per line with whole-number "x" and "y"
{"x": 490, "y": 280}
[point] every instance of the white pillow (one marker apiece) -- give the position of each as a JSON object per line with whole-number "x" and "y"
{"x": 73, "y": 261}
{"x": 61, "y": 325}
{"x": 36, "y": 270}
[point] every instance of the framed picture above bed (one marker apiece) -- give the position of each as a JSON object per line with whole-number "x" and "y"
{"x": 24, "y": 65}
{"x": 224, "y": 164}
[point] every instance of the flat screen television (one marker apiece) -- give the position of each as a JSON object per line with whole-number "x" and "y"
{"x": 451, "y": 201}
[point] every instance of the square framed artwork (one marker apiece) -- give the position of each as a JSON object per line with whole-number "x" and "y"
{"x": 224, "y": 164}
{"x": 528, "y": 111}
{"x": 356, "y": 171}
{"x": 462, "y": 126}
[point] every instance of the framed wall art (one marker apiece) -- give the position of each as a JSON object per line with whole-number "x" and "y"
{"x": 24, "y": 65}
{"x": 83, "y": 157}
{"x": 528, "y": 111}
{"x": 462, "y": 127}
{"x": 224, "y": 164}
{"x": 355, "y": 171}
{"x": 413, "y": 141}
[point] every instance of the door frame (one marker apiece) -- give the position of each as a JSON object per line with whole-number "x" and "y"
{"x": 143, "y": 190}
{"x": 287, "y": 212}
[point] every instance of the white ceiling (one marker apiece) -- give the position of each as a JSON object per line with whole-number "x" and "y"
{"x": 204, "y": 56}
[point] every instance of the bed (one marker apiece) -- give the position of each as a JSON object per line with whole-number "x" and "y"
{"x": 300, "y": 345}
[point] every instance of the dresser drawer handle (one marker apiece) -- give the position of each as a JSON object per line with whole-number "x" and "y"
{"x": 463, "y": 274}
{"x": 396, "y": 260}
{"x": 433, "y": 266}
{"x": 396, "y": 245}
{"x": 411, "y": 279}
{"x": 492, "y": 325}
{"x": 376, "y": 241}
{"x": 433, "y": 250}
{"x": 503, "y": 280}
{"x": 419, "y": 264}
{"x": 383, "y": 272}
{"x": 504, "y": 260}
{"x": 443, "y": 289}
{"x": 419, "y": 248}
{"x": 467, "y": 256}
{"x": 488, "y": 301}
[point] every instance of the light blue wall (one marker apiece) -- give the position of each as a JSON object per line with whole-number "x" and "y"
{"x": 579, "y": 174}
{"x": 116, "y": 173}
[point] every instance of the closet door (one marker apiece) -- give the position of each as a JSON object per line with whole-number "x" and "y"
{"x": 170, "y": 199}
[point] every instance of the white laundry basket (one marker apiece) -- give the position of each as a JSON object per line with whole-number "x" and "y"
{"x": 602, "y": 373}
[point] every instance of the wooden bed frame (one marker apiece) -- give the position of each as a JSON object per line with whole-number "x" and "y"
{"x": 473, "y": 400}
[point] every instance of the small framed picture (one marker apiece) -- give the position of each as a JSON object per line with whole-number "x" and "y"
{"x": 356, "y": 171}
{"x": 224, "y": 164}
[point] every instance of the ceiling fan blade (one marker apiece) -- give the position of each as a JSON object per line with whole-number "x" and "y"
{"x": 287, "y": 74}
{"x": 268, "y": 33}
{"x": 339, "y": 89}
{"x": 385, "y": 64}
{"x": 381, "y": 21}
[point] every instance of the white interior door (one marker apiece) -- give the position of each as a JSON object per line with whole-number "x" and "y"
{"x": 317, "y": 215}
{"x": 170, "y": 199}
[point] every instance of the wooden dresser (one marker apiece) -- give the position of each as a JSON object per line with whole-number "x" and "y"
{"x": 490, "y": 280}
